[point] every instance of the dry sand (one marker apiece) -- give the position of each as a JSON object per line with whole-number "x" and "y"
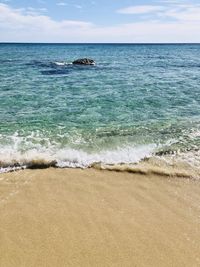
{"x": 59, "y": 217}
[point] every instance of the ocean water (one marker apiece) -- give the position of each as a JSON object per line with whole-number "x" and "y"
{"x": 138, "y": 103}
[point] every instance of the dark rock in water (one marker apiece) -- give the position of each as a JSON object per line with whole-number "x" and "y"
{"x": 84, "y": 61}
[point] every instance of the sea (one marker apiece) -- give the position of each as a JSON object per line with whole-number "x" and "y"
{"x": 140, "y": 103}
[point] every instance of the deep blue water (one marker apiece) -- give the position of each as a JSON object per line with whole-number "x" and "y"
{"x": 137, "y": 101}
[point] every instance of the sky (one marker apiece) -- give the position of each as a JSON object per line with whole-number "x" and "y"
{"x": 100, "y": 21}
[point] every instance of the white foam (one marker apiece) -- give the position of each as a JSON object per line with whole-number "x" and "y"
{"x": 36, "y": 149}
{"x": 62, "y": 63}
{"x": 194, "y": 134}
{"x": 73, "y": 158}
{"x": 11, "y": 169}
{"x": 35, "y": 153}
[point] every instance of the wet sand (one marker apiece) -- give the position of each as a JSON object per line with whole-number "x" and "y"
{"x": 66, "y": 217}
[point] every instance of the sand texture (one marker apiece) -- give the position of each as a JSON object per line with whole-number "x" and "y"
{"x": 66, "y": 217}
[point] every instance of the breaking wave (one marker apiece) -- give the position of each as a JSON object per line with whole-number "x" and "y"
{"x": 143, "y": 159}
{"x": 37, "y": 150}
{"x": 72, "y": 158}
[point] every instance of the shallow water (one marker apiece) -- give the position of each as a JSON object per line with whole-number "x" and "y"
{"x": 137, "y": 102}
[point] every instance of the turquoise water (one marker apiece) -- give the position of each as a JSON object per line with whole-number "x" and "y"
{"x": 137, "y": 102}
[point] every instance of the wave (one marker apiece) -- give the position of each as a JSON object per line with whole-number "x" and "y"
{"x": 72, "y": 158}
{"x": 61, "y": 63}
{"x": 56, "y": 67}
{"x": 51, "y": 64}
{"x": 38, "y": 150}
{"x": 146, "y": 167}
{"x": 138, "y": 159}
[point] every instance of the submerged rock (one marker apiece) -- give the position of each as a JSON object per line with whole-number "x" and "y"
{"x": 84, "y": 61}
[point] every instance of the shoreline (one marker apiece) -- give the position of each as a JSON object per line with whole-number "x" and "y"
{"x": 148, "y": 166}
{"x": 74, "y": 217}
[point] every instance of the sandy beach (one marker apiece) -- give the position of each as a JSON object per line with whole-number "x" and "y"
{"x": 74, "y": 217}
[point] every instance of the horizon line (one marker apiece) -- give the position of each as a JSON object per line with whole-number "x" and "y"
{"x": 112, "y": 43}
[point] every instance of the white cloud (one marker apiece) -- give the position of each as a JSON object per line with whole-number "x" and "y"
{"x": 140, "y": 9}
{"x": 61, "y": 4}
{"x": 78, "y": 6}
{"x": 18, "y": 25}
{"x": 33, "y": 11}
{"x": 185, "y": 13}
{"x": 175, "y": 10}
{"x": 65, "y": 4}
{"x": 152, "y": 32}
